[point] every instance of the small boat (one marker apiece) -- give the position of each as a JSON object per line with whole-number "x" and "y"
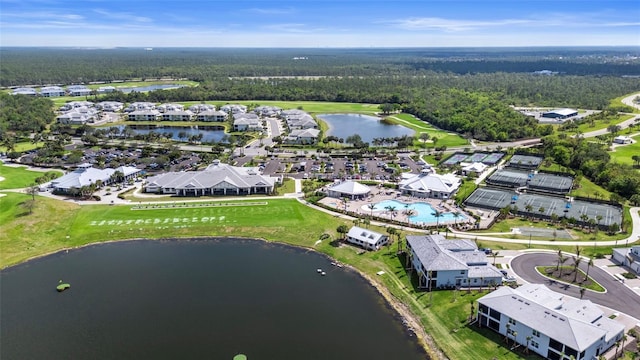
{"x": 319, "y": 270}
{"x": 323, "y": 273}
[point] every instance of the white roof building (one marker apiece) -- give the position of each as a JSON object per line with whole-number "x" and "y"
{"x": 429, "y": 185}
{"x": 303, "y": 136}
{"x": 234, "y": 108}
{"x": 366, "y": 238}
{"x": 216, "y": 179}
{"x": 198, "y": 108}
{"x": 86, "y": 174}
{"x": 475, "y": 168}
{"x": 350, "y": 189}
{"x": 50, "y": 91}
{"x": 137, "y": 106}
{"x": 24, "y": 91}
{"x": 621, "y": 139}
{"x": 78, "y": 90}
{"x": 555, "y": 323}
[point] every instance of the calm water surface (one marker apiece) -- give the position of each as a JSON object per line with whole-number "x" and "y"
{"x": 211, "y": 133}
{"x": 368, "y": 127}
{"x": 200, "y": 299}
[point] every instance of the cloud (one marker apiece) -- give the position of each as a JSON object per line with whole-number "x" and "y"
{"x": 41, "y": 15}
{"x": 290, "y": 28}
{"x": 122, "y": 16}
{"x": 272, "y": 11}
{"x": 434, "y": 23}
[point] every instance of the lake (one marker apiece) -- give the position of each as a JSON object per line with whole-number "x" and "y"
{"x": 210, "y": 133}
{"x": 368, "y": 127}
{"x": 195, "y": 299}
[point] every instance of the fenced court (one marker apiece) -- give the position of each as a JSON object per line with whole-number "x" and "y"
{"x": 485, "y": 158}
{"x": 543, "y": 206}
{"x": 524, "y": 162}
{"x": 551, "y": 183}
{"x": 510, "y": 178}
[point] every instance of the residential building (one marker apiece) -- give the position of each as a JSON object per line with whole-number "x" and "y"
{"x": 212, "y": 115}
{"x": 198, "y": 108}
{"x": 140, "y": 106}
{"x": 51, "y": 91}
{"x": 348, "y": 189}
{"x": 144, "y": 115}
{"x": 76, "y": 104}
{"x": 367, "y": 239}
{"x": 629, "y": 257}
{"x": 78, "y": 90}
{"x": 234, "y": 108}
{"x": 246, "y": 122}
{"x": 267, "y": 111}
{"x": 86, "y": 175}
{"x": 303, "y": 136}
{"x": 24, "y": 91}
{"x": 442, "y": 263}
{"x": 429, "y": 185}
{"x": 216, "y": 179}
{"x": 169, "y": 107}
{"x": 78, "y": 116}
{"x": 109, "y": 106}
{"x": 177, "y": 115}
{"x": 551, "y": 324}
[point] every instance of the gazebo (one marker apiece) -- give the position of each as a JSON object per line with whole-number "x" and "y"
{"x": 349, "y": 189}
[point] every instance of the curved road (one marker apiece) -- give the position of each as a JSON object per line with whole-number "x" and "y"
{"x": 617, "y": 297}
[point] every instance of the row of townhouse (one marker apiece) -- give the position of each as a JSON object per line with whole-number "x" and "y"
{"x": 303, "y": 128}
{"x": 83, "y": 112}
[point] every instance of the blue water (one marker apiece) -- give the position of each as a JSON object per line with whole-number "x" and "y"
{"x": 368, "y": 127}
{"x": 423, "y": 211}
{"x": 209, "y": 135}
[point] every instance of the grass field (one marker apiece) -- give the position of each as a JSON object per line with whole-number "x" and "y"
{"x": 618, "y": 102}
{"x": 623, "y": 154}
{"x": 603, "y": 124}
{"x": 23, "y": 146}
{"x": 19, "y": 177}
{"x": 445, "y": 138}
{"x": 443, "y": 315}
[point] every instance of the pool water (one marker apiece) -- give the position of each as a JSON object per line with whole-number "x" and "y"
{"x": 423, "y": 211}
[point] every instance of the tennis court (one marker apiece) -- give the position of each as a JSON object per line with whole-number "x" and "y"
{"x": 551, "y": 183}
{"x": 524, "y": 162}
{"x": 543, "y": 206}
{"x": 510, "y": 178}
{"x": 485, "y": 158}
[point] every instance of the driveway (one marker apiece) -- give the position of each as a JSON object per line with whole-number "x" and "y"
{"x": 617, "y": 297}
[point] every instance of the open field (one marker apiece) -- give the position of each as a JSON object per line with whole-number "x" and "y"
{"x": 603, "y": 124}
{"x": 618, "y": 102}
{"x": 445, "y": 138}
{"x": 23, "y": 146}
{"x": 442, "y": 315}
{"x": 623, "y": 154}
{"x": 19, "y": 177}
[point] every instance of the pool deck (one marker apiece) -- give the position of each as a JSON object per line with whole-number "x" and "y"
{"x": 379, "y": 194}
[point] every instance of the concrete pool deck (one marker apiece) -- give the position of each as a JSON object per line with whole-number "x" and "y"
{"x": 379, "y": 194}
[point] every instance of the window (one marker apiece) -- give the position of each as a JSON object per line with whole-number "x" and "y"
{"x": 534, "y": 344}
{"x": 512, "y": 321}
{"x": 462, "y": 272}
{"x": 536, "y": 333}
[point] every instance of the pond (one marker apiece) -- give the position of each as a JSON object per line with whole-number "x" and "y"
{"x": 195, "y": 299}
{"x": 368, "y": 127}
{"x": 209, "y": 133}
{"x": 149, "y": 88}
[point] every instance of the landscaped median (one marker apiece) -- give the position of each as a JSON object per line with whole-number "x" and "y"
{"x": 56, "y": 225}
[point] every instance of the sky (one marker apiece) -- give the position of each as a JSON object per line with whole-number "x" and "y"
{"x": 319, "y": 24}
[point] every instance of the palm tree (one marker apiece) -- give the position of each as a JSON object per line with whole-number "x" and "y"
{"x": 437, "y": 214}
{"x": 456, "y": 215}
{"x": 495, "y": 254}
{"x": 589, "y": 265}
{"x": 582, "y": 290}
{"x": 408, "y": 213}
{"x": 391, "y": 210}
{"x": 560, "y": 259}
{"x": 576, "y": 263}
{"x": 528, "y": 341}
{"x": 371, "y": 207}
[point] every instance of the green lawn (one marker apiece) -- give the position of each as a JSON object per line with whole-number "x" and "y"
{"x": 23, "y": 236}
{"x": 623, "y": 154}
{"x": 603, "y": 124}
{"x": 589, "y": 189}
{"x": 445, "y": 138}
{"x": 19, "y": 177}
{"x": 23, "y": 146}
{"x": 618, "y": 102}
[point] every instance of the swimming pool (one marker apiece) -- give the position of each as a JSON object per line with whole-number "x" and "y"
{"x": 423, "y": 212}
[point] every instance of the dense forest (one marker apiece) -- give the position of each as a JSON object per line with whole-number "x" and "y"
{"x": 39, "y": 66}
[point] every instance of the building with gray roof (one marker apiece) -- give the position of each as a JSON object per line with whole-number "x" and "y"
{"x": 86, "y": 175}
{"x": 348, "y": 189}
{"x": 429, "y": 185}
{"x": 442, "y": 263}
{"x": 560, "y": 114}
{"x": 51, "y": 91}
{"x": 366, "y": 238}
{"x": 549, "y": 323}
{"x": 629, "y": 257}
{"x": 216, "y": 179}
{"x": 24, "y": 91}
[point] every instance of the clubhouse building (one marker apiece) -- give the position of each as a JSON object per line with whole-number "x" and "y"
{"x": 442, "y": 263}
{"x": 216, "y": 179}
{"x": 366, "y": 238}
{"x": 87, "y": 175}
{"x": 551, "y": 324}
{"x": 429, "y": 185}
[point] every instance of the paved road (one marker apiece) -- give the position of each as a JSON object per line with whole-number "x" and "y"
{"x": 617, "y": 297}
